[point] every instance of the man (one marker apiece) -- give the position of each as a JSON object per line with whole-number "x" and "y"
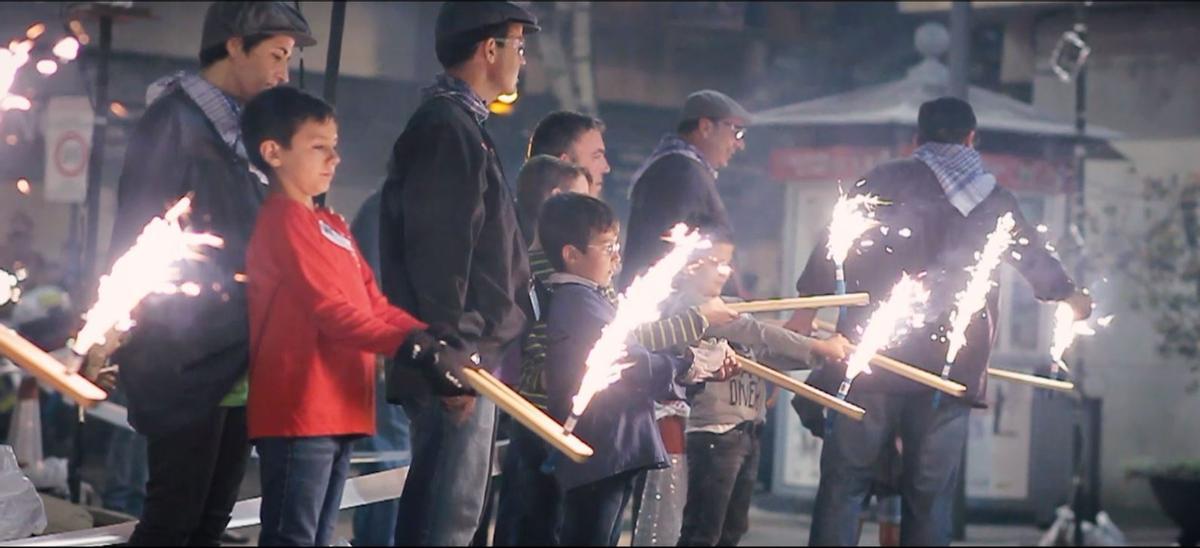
{"x": 949, "y": 203}
{"x": 183, "y": 369}
{"x": 678, "y": 182}
{"x": 451, "y": 252}
{"x": 576, "y": 138}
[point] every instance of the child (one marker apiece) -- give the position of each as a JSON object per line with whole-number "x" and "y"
{"x": 316, "y": 320}
{"x": 726, "y": 418}
{"x": 580, "y": 236}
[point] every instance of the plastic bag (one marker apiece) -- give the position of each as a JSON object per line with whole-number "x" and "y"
{"x": 21, "y": 511}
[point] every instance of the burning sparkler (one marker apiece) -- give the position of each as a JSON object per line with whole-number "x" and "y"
{"x": 888, "y": 323}
{"x": 640, "y": 304}
{"x": 150, "y": 266}
{"x": 1066, "y": 329}
{"x": 852, "y": 216}
{"x": 12, "y": 58}
{"x": 973, "y": 298}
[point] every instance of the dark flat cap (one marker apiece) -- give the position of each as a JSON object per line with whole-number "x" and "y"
{"x": 226, "y": 20}
{"x": 713, "y": 105}
{"x": 456, "y": 18}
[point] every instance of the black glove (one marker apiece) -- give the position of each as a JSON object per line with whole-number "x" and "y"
{"x": 439, "y": 355}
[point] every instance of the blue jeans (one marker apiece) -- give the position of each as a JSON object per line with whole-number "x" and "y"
{"x": 302, "y": 482}
{"x": 443, "y": 497}
{"x": 592, "y": 513}
{"x": 125, "y": 487}
{"x": 375, "y": 524}
{"x": 933, "y": 442}
{"x": 530, "y": 507}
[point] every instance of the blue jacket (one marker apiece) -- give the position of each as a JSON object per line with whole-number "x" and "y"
{"x": 619, "y": 423}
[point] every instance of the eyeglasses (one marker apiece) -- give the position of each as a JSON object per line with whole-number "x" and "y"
{"x": 739, "y": 132}
{"x": 520, "y": 43}
{"x": 612, "y": 248}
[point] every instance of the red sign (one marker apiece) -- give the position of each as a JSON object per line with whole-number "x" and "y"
{"x": 846, "y": 164}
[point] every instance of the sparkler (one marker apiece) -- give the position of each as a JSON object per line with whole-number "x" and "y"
{"x": 973, "y": 298}
{"x": 640, "y": 304}
{"x": 816, "y": 301}
{"x": 888, "y": 323}
{"x": 852, "y": 216}
{"x": 150, "y": 266}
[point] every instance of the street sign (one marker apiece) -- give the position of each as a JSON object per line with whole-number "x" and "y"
{"x": 68, "y": 130}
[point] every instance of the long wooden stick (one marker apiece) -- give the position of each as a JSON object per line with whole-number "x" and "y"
{"x": 1033, "y": 380}
{"x": 527, "y": 414}
{"x": 819, "y": 301}
{"x": 49, "y": 370}
{"x": 800, "y": 389}
{"x": 905, "y": 370}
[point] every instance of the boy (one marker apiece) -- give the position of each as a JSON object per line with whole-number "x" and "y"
{"x": 724, "y": 426}
{"x": 580, "y": 236}
{"x": 316, "y": 319}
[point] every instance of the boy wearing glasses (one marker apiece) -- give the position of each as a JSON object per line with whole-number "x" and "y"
{"x": 678, "y": 182}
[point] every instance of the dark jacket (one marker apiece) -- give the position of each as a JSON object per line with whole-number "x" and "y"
{"x": 674, "y": 188}
{"x": 450, "y": 248}
{"x": 619, "y": 423}
{"x": 365, "y": 229}
{"x": 186, "y": 353}
{"x": 942, "y": 244}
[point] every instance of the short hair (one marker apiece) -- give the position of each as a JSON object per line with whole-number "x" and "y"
{"x": 555, "y": 134}
{"x": 539, "y": 177}
{"x": 276, "y": 115}
{"x": 687, "y": 126}
{"x": 945, "y": 120}
{"x": 459, "y": 48}
{"x": 571, "y": 219}
{"x": 212, "y": 54}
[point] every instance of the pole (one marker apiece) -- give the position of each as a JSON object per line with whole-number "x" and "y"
{"x": 960, "y": 47}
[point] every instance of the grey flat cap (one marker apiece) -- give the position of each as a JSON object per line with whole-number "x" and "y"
{"x": 456, "y": 18}
{"x": 714, "y": 105}
{"x": 226, "y": 20}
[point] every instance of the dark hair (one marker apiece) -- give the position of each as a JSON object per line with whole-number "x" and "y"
{"x": 276, "y": 115}
{"x": 572, "y": 219}
{"x": 555, "y": 134}
{"x": 687, "y": 126}
{"x": 538, "y": 178}
{"x": 945, "y": 120}
{"x": 459, "y": 48}
{"x": 215, "y": 53}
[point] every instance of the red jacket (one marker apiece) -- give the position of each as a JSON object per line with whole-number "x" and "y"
{"x": 316, "y": 320}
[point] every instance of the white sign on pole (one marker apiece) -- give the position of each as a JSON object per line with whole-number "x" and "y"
{"x": 68, "y": 127}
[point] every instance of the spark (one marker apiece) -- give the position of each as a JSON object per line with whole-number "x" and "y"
{"x": 47, "y": 67}
{"x": 973, "y": 298}
{"x": 150, "y": 266}
{"x": 888, "y": 323}
{"x": 640, "y": 304}
{"x": 12, "y": 59}
{"x": 852, "y": 216}
{"x": 67, "y": 49}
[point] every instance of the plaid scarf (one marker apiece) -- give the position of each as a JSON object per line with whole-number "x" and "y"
{"x": 458, "y": 91}
{"x": 222, "y": 110}
{"x": 672, "y": 144}
{"x": 960, "y": 170}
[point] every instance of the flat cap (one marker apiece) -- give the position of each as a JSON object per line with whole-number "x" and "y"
{"x": 226, "y": 20}
{"x": 456, "y": 18}
{"x": 714, "y": 105}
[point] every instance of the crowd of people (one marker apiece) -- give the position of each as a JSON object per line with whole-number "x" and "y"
{"x": 350, "y": 336}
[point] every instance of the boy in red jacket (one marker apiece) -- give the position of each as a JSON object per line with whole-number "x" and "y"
{"x": 316, "y": 321}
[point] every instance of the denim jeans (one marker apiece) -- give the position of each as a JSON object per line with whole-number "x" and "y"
{"x": 530, "y": 508}
{"x": 592, "y": 513}
{"x": 194, "y": 477}
{"x": 125, "y": 461}
{"x": 375, "y": 524}
{"x": 723, "y": 469}
{"x": 443, "y": 497}
{"x": 933, "y": 442}
{"x": 302, "y": 483}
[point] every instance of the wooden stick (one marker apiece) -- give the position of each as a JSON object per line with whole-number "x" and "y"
{"x": 819, "y": 301}
{"x": 1033, "y": 380}
{"x": 49, "y": 370}
{"x": 905, "y": 370}
{"x": 800, "y": 389}
{"x": 527, "y": 414}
